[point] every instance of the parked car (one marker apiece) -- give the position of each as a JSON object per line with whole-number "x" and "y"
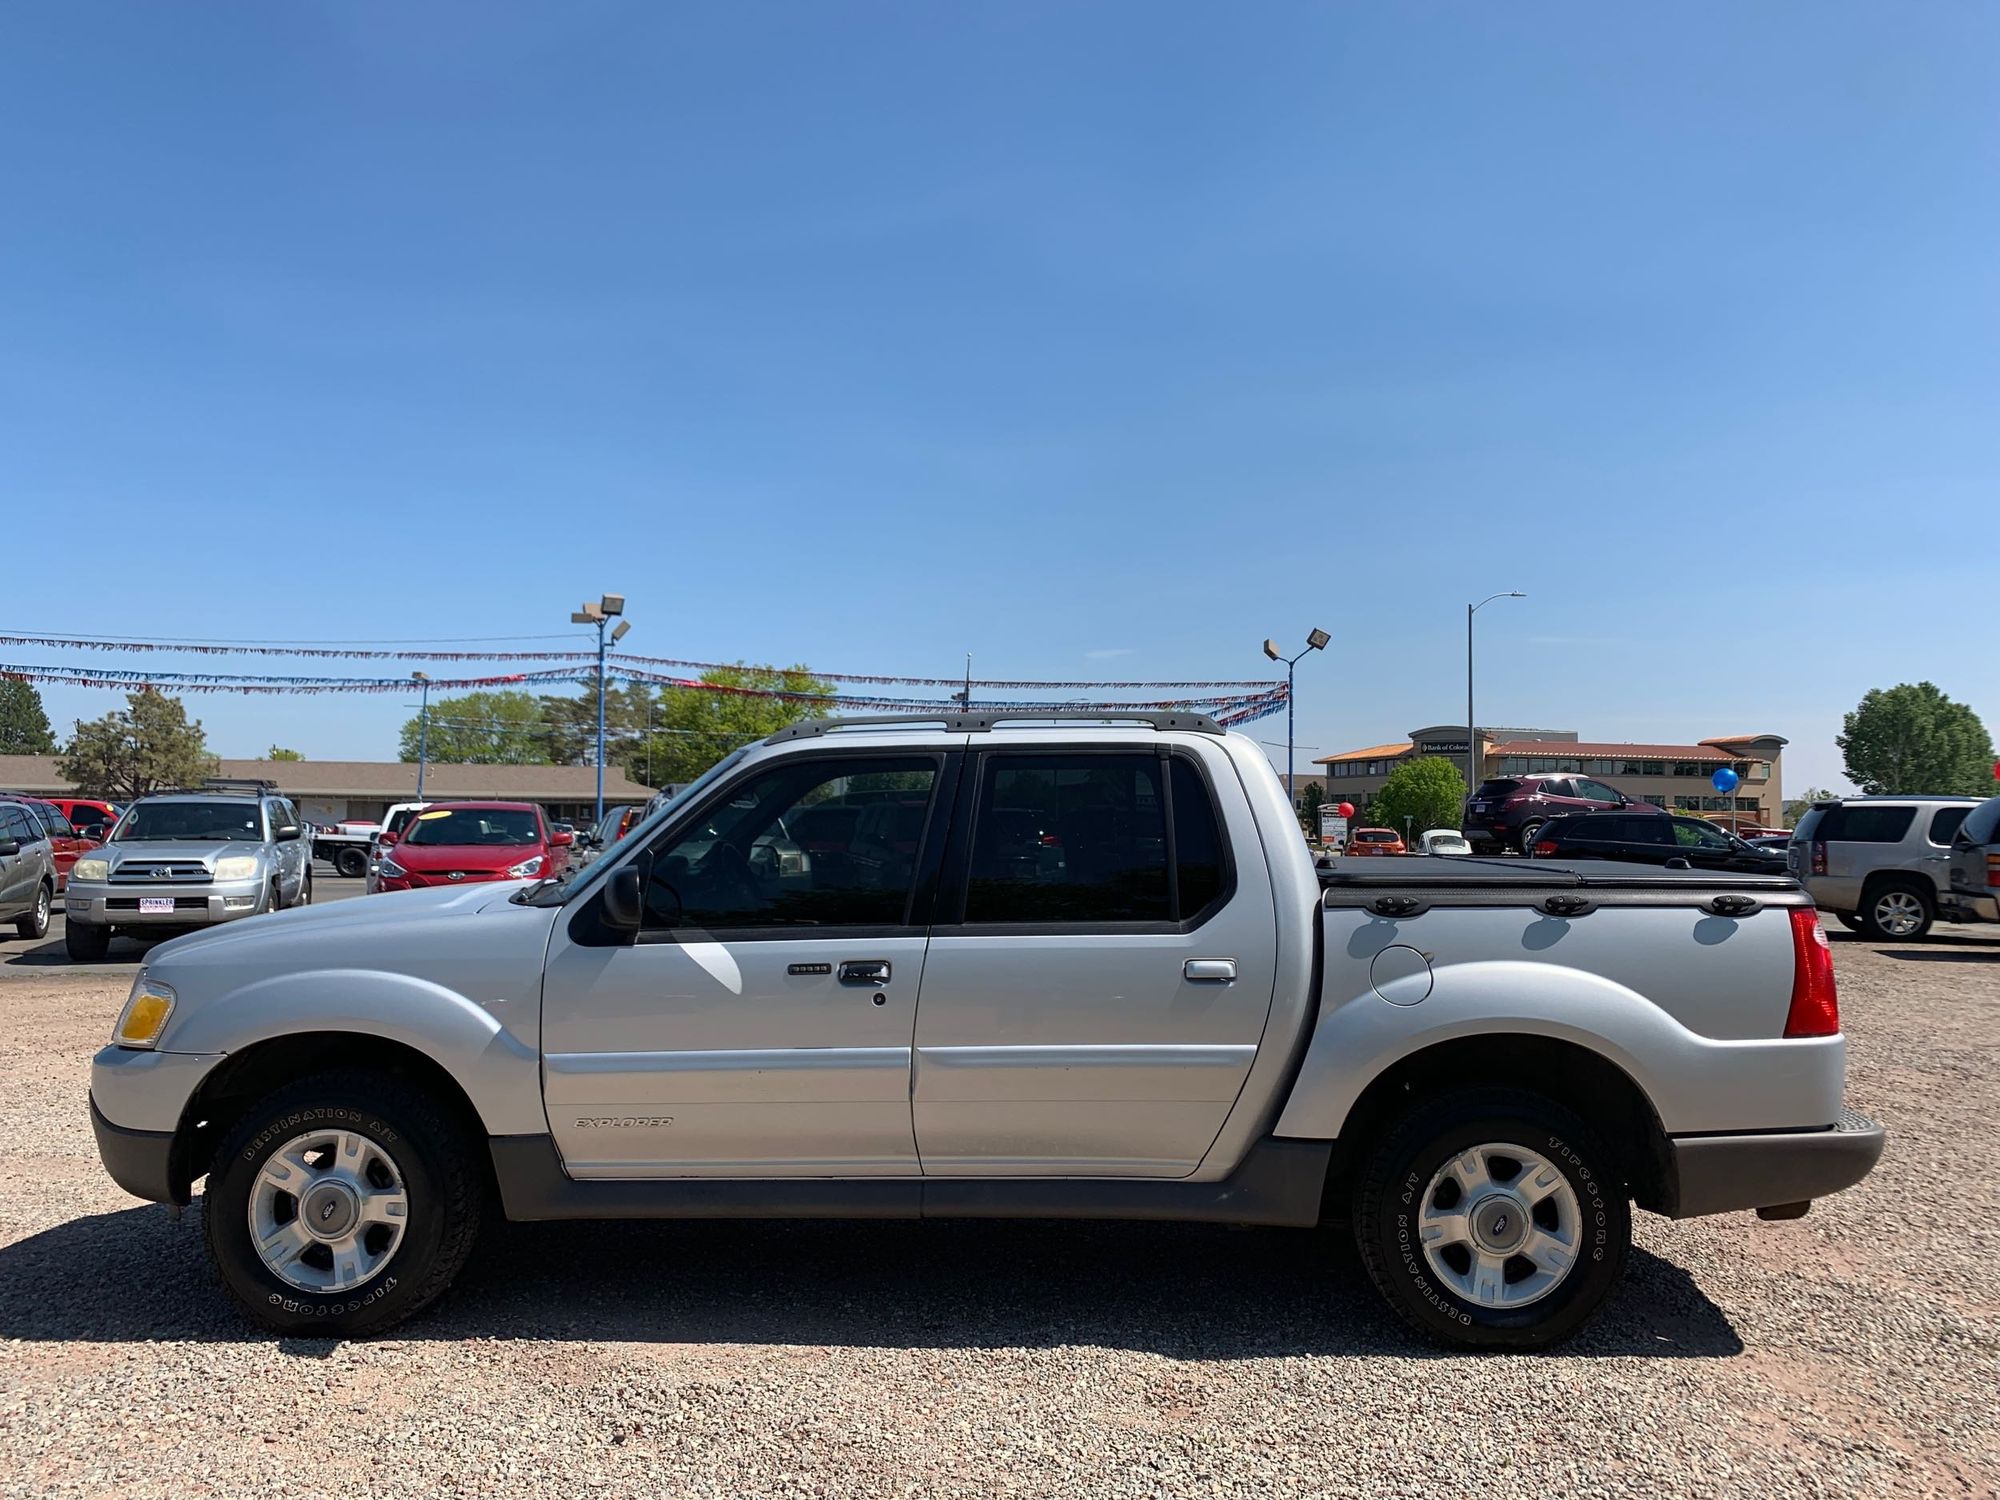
{"x": 27, "y": 871}
{"x": 1508, "y": 811}
{"x": 1653, "y": 841}
{"x": 1974, "y": 894}
{"x": 1375, "y": 841}
{"x": 65, "y": 842}
{"x": 178, "y": 861}
{"x": 615, "y": 824}
{"x": 90, "y": 817}
{"x": 1775, "y": 841}
{"x": 1177, "y": 1024}
{"x": 1879, "y": 864}
{"x": 453, "y": 843}
{"x": 1445, "y": 841}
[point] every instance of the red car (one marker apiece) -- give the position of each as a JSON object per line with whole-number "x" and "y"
{"x": 66, "y": 844}
{"x": 454, "y": 843}
{"x": 87, "y": 813}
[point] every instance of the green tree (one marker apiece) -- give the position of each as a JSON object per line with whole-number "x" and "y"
{"x": 1429, "y": 792}
{"x": 1911, "y": 738}
{"x": 692, "y": 730}
{"x": 24, "y": 724}
{"x": 147, "y": 745}
{"x": 502, "y": 728}
{"x": 279, "y": 752}
{"x": 1797, "y": 807}
{"x": 1311, "y": 796}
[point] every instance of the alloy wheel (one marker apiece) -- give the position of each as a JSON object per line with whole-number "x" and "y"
{"x": 328, "y": 1210}
{"x": 1500, "y": 1225}
{"x": 1899, "y": 913}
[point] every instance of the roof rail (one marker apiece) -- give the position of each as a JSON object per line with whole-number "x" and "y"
{"x": 225, "y": 786}
{"x": 980, "y": 720}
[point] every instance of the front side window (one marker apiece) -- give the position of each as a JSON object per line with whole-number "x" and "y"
{"x": 807, "y": 844}
{"x": 1098, "y": 839}
{"x": 477, "y": 827}
{"x": 1597, "y": 791}
{"x": 220, "y": 821}
{"x": 1690, "y": 834}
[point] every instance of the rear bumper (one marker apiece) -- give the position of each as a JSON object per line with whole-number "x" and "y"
{"x": 139, "y": 1161}
{"x": 1719, "y": 1174}
{"x": 1957, "y": 905}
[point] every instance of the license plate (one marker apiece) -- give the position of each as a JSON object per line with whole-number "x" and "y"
{"x": 155, "y": 906}
{"x": 1479, "y": 807}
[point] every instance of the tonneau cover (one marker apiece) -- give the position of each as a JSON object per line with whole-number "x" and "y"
{"x": 1435, "y": 872}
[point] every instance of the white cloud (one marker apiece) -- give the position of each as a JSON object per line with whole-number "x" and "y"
{"x": 1106, "y": 653}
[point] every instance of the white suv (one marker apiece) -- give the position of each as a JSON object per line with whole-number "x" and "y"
{"x": 1879, "y": 864}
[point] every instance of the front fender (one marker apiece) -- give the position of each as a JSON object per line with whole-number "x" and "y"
{"x": 1696, "y": 1084}
{"x": 499, "y": 1072}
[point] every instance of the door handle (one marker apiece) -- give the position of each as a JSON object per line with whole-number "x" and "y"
{"x": 1210, "y": 970}
{"x": 865, "y": 971}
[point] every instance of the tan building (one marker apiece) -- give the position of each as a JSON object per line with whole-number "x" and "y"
{"x": 328, "y": 791}
{"x": 1674, "y": 776}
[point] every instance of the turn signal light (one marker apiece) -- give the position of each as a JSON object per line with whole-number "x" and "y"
{"x": 1815, "y": 1005}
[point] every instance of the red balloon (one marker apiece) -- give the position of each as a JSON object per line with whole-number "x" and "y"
{"x": 1346, "y": 809}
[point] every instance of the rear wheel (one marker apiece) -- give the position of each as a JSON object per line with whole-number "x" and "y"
{"x": 1492, "y": 1219}
{"x": 1528, "y": 832}
{"x": 1897, "y": 913}
{"x": 306, "y": 888}
{"x": 1848, "y": 920}
{"x": 35, "y": 925}
{"x": 340, "y": 1205}
{"x": 86, "y": 943}
{"x": 350, "y": 862}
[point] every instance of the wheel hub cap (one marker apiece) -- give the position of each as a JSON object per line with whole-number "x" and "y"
{"x": 1500, "y": 1225}
{"x": 328, "y": 1210}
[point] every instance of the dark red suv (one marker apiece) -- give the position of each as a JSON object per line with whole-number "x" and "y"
{"x": 1507, "y": 810}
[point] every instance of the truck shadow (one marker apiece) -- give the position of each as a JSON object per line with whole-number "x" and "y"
{"x": 1184, "y": 1291}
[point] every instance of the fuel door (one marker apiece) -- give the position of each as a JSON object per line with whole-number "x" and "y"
{"x": 1401, "y": 974}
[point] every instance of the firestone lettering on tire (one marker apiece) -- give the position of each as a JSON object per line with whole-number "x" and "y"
{"x": 331, "y": 1309}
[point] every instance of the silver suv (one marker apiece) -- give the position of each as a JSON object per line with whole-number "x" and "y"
{"x": 1974, "y": 895}
{"x": 27, "y": 870}
{"x": 1881, "y": 865}
{"x": 182, "y": 860}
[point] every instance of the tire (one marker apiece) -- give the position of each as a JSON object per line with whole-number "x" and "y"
{"x": 1578, "y": 1199}
{"x": 1897, "y": 912}
{"x": 1848, "y": 920}
{"x": 407, "y": 1141}
{"x": 85, "y": 942}
{"x": 351, "y": 863}
{"x": 35, "y": 925}
{"x": 1527, "y": 835}
{"x": 306, "y": 889}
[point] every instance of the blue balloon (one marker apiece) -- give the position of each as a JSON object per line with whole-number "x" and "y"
{"x": 1724, "y": 780}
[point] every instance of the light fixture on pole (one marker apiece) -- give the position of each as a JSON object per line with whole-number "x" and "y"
{"x": 423, "y": 681}
{"x": 1472, "y": 734}
{"x": 600, "y": 615}
{"x": 1315, "y": 641}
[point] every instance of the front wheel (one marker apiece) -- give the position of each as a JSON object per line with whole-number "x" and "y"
{"x": 84, "y": 943}
{"x": 351, "y": 863}
{"x": 1493, "y": 1219}
{"x": 341, "y": 1205}
{"x": 35, "y": 925}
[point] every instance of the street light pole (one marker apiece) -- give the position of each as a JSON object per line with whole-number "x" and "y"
{"x": 601, "y": 614}
{"x": 1472, "y": 734}
{"x": 1315, "y": 641}
{"x": 423, "y": 680}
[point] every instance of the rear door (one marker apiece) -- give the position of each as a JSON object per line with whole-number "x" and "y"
{"x": 1101, "y": 968}
{"x": 64, "y": 845}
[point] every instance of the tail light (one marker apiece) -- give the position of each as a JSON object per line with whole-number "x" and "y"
{"x": 1545, "y": 846}
{"x": 1819, "y": 857}
{"x": 1052, "y": 841}
{"x": 1815, "y": 1005}
{"x": 1993, "y": 871}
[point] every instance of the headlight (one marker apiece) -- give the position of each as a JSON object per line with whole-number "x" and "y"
{"x": 90, "y": 869}
{"x": 145, "y": 1014}
{"x": 390, "y": 868}
{"x": 237, "y": 867}
{"x": 527, "y": 868}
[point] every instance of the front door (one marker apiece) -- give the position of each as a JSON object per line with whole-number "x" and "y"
{"x": 1100, "y": 972}
{"x": 760, "y": 1024}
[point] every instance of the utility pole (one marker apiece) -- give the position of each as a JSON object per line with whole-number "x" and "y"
{"x": 1315, "y": 641}
{"x": 601, "y": 615}
{"x": 1472, "y": 734}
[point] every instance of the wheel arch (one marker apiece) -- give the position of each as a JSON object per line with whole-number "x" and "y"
{"x": 1583, "y": 1081}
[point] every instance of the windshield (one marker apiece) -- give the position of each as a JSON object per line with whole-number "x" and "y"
{"x": 398, "y": 819}
{"x": 155, "y": 822}
{"x": 491, "y": 826}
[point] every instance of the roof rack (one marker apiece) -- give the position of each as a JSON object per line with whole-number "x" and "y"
{"x": 982, "y": 720}
{"x": 225, "y": 786}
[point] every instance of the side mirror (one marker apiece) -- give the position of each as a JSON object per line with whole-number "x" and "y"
{"x": 624, "y": 906}
{"x": 288, "y": 834}
{"x": 9, "y": 846}
{"x": 385, "y": 838}
{"x": 561, "y": 840}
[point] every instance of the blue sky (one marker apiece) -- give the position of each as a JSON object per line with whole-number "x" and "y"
{"x": 1098, "y": 340}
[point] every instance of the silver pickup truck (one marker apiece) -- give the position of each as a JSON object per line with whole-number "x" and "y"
{"x": 975, "y": 966}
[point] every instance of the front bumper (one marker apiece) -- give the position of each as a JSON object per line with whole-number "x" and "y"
{"x": 139, "y": 1161}
{"x": 1719, "y": 1174}
{"x": 427, "y": 881}
{"x": 1960, "y": 905}
{"x": 137, "y": 1100}
{"x": 103, "y": 904}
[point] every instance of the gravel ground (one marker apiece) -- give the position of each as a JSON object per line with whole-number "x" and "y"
{"x": 1855, "y": 1352}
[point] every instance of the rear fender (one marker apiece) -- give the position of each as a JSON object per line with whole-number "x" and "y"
{"x": 1695, "y": 1084}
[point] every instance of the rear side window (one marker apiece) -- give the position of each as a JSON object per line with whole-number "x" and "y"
{"x": 17, "y": 825}
{"x": 1945, "y": 822}
{"x": 1088, "y": 838}
{"x": 1497, "y": 788}
{"x": 1862, "y": 823}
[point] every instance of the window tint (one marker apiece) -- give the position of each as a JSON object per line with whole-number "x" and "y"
{"x": 820, "y": 843}
{"x": 1945, "y": 822}
{"x": 1498, "y": 787}
{"x": 1690, "y": 834}
{"x": 1863, "y": 823}
{"x": 14, "y": 819}
{"x": 1070, "y": 838}
{"x": 1597, "y": 791}
{"x": 1198, "y": 848}
{"x": 58, "y": 825}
